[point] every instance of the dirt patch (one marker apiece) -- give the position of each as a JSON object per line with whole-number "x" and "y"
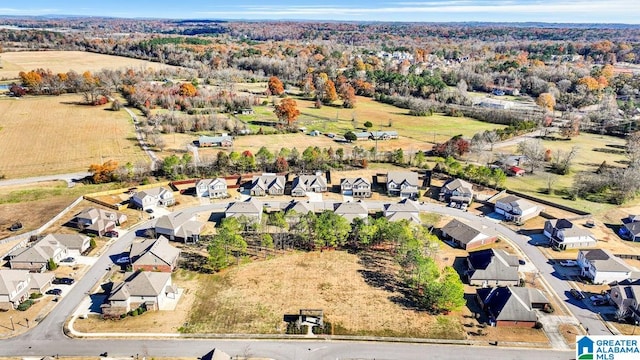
{"x": 569, "y": 333}
{"x": 23, "y": 320}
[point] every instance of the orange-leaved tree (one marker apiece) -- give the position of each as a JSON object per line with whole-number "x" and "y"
{"x": 275, "y": 86}
{"x": 105, "y": 172}
{"x": 546, "y": 101}
{"x": 287, "y": 111}
{"x": 187, "y": 89}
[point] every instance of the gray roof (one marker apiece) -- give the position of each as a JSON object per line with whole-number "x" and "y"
{"x": 398, "y": 177}
{"x": 214, "y": 139}
{"x": 603, "y": 260}
{"x": 465, "y": 231}
{"x": 140, "y": 283}
{"x": 267, "y": 181}
{"x": 512, "y": 303}
{"x": 633, "y": 228}
{"x": 354, "y": 181}
{"x": 460, "y": 185}
{"x": 40, "y": 280}
{"x": 208, "y": 182}
{"x": 250, "y": 206}
{"x": 568, "y": 228}
{"x": 306, "y": 182}
{"x": 153, "y": 192}
{"x": 351, "y": 210}
{"x": 493, "y": 264}
{"x": 174, "y": 220}
{"x": 71, "y": 241}
{"x": 40, "y": 252}
{"x": 301, "y": 207}
{"x": 404, "y": 210}
{"x": 153, "y": 251}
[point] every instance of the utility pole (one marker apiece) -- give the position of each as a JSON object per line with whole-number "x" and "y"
{"x": 13, "y": 328}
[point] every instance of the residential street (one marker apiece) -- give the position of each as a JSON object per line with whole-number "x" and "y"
{"x": 47, "y": 338}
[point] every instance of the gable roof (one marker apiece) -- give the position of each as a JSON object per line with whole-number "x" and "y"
{"x": 149, "y": 251}
{"x": 354, "y": 181}
{"x": 568, "y": 228}
{"x": 71, "y": 241}
{"x": 140, "y": 283}
{"x": 250, "y": 206}
{"x": 511, "y": 303}
{"x": 603, "y": 260}
{"x": 267, "y": 181}
{"x": 9, "y": 280}
{"x": 356, "y": 208}
{"x": 516, "y": 202}
{"x": 459, "y": 184}
{"x": 493, "y": 264}
{"x": 209, "y": 182}
{"x": 40, "y": 252}
{"x": 465, "y": 231}
{"x": 214, "y": 139}
{"x": 308, "y": 181}
{"x": 174, "y": 220}
{"x": 398, "y": 177}
{"x": 154, "y": 193}
{"x": 633, "y": 227}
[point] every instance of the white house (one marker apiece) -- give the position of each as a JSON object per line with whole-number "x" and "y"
{"x": 76, "y": 244}
{"x": 35, "y": 257}
{"x": 516, "y": 209}
{"x": 351, "y": 210}
{"x": 180, "y": 225}
{"x": 152, "y": 197}
{"x": 403, "y": 183}
{"x": 404, "y": 210}
{"x": 356, "y": 187}
{"x": 212, "y": 188}
{"x": 141, "y": 288}
{"x": 14, "y": 288}
{"x": 601, "y": 266}
{"x": 563, "y": 234}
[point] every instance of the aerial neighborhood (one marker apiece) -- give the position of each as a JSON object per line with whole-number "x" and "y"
{"x": 317, "y": 189}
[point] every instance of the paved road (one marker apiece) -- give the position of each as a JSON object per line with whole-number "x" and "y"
{"x": 47, "y": 337}
{"x": 69, "y": 178}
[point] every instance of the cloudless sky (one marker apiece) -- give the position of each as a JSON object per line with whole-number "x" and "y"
{"x": 567, "y": 11}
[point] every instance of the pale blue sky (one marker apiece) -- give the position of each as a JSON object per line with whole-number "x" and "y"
{"x": 568, "y": 11}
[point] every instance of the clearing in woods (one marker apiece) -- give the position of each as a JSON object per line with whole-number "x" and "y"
{"x": 52, "y": 134}
{"x": 63, "y": 61}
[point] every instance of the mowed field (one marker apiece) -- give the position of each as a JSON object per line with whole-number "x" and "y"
{"x": 63, "y": 61}
{"x": 51, "y": 134}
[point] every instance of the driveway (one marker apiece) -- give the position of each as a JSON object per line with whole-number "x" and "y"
{"x": 314, "y": 197}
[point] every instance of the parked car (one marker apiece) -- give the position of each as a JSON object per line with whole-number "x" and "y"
{"x": 522, "y": 262}
{"x": 63, "y": 281}
{"x": 122, "y": 260}
{"x": 149, "y": 211}
{"x": 68, "y": 260}
{"x": 568, "y": 263}
{"x": 577, "y": 294}
{"x": 56, "y": 292}
{"x": 111, "y": 234}
{"x": 15, "y": 226}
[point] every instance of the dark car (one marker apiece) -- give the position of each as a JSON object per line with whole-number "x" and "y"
{"x": 600, "y": 302}
{"x": 577, "y": 294}
{"x": 149, "y": 211}
{"x": 63, "y": 281}
{"x": 56, "y": 292}
{"x": 68, "y": 260}
{"x": 111, "y": 234}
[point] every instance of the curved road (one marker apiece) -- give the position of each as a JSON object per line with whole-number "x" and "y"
{"x": 47, "y": 338}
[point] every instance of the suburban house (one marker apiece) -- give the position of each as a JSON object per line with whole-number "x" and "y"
{"x": 141, "y": 288}
{"x": 363, "y": 135}
{"x": 17, "y": 285}
{"x": 34, "y": 258}
{"x": 563, "y": 234}
{"x": 492, "y": 267}
{"x": 152, "y": 197}
{"x": 99, "y": 221}
{"x": 457, "y": 191}
{"x": 300, "y": 207}
{"x": 403, "y": 183}
{"x": 250, "y": 209}
{"x": 512, "y": 306}
{"x": 208, "y": 141}
{"x": 153, "y": 255}
{"x": 516, "y": 209}
{"x": 267, "y": 184}
{"x": 630, "y": 228}
{"x": 212, "y": 188}
{"x": 76, "y": 244}
{"x": 467, "y": 234}
{"x": 351, "y": 210}
{"x": 309, "y": 183}
{"x": 404, "y": 210}
{"x": 626, "y": 296}
{"x": 601, "y": 266}
{"x": 179, "y": 226}
{"x": 356, "y": 187}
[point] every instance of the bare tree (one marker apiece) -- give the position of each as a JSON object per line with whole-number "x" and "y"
{"x": 563, "y": 160}
{"x": 534, "y": 152}
{"x": 633, "y": 149}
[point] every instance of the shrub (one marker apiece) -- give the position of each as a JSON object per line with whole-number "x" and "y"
{"x": 92, "y": 243}
{"x": 25, "y": 305}
{"x": 35, "y": 296}
{"x": 51, "y": 264}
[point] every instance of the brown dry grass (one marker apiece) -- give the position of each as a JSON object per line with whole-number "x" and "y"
{"x": 253, "y": 298}
{"x": 50, "y": 134}
{"x": 569, "y": 332}
{"x": 36, "y": 312}
{"x": 150, "y": 322}
{"x": 63, "y": 61}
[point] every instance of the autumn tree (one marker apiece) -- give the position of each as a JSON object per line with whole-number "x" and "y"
{"x": 105, "y": 172}
{"x": 275, "y": 86}
{"x": 287, "y": 111}
{"x": 348, "y": 96}
{"x": 546, "y": 101}
{"x": 281, "y": 165}
{"x": 188, "y": 90}
{"x": 330, "y": 93}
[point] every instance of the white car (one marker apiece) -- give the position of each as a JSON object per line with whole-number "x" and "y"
{"x": 568, "y": 263}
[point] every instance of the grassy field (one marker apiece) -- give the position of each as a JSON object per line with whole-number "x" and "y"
{"x": 63, "y": 61}
{"x": 589, "y": 158}
{"x": 51, "y": 134}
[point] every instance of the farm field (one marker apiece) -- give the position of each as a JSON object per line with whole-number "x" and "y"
{"x": 593, "y": 150}
{"x": 52, "y": 134}
{"x": 63, "y": 61}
